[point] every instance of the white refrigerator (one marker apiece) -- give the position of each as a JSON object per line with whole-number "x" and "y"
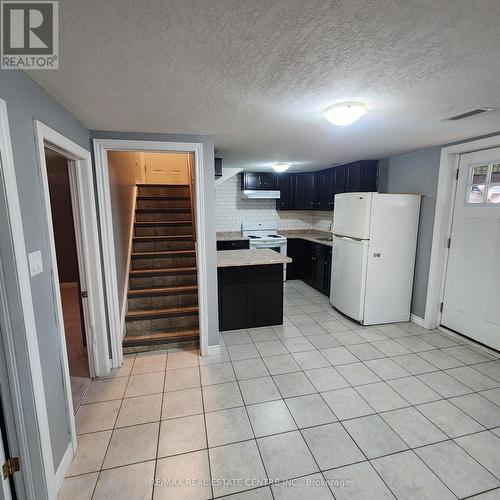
{"x": 374, "y": 244}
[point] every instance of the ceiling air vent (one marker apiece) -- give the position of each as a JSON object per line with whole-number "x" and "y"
{"x": 468, "y": 114}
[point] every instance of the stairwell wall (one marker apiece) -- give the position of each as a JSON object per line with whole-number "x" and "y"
{"x": 122, "y": 178}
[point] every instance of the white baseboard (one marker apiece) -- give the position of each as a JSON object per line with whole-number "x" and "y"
{"x": 417, "y": 320}
{"x": 63, "y": 468}
{"x": 213, "y": 349}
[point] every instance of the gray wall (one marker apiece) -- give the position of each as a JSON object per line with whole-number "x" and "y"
{"x": 416, "y": 173}
{"x": 122, "y": 173}
{"x": 209, "y": 194}
{"x": 26, "y": 101}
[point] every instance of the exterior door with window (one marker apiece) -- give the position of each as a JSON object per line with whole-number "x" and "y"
{"x": 471, "y": 303}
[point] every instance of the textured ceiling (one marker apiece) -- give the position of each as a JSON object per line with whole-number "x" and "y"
{"x": 256, "y": 74}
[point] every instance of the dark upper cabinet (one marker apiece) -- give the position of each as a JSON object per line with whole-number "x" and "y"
{"x": 361, "y": 176}
{"x": 218, "y": 167}
{"x": 268, "y": 180}
{"x": 323, "y": 189}
{"x": 317, "y": 190}
{"x": 338, "y": 181}
{"x": 286, "y": 183}
{"x": 304, "y": 191}
{"x": 254, "y": 181}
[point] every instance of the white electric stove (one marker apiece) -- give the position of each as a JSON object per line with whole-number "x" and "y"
{"x": 265, "y": 236}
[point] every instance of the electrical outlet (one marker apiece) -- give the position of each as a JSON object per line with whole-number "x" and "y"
{"x": 35, "y": 263}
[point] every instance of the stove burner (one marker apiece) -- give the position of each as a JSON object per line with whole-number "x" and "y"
{"x": 253, "y": 237}
{"x": 273, "y": 236}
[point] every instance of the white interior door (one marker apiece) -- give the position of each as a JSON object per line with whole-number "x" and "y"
{"x": 472, "y": 288}
{"x": 349, "y": 261}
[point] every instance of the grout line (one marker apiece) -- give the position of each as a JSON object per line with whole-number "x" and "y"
{"x": 303, "y": 371}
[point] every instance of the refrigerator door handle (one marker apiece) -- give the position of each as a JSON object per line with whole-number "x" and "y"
{"x": 349, "y": 238}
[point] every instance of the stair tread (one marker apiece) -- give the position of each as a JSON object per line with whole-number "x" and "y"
{"x": 169, "y": 237}
{"x": 168, "y": 270}
{"x": 162, "y": 290}
{"x": 163, "y": 253}
{"x": 162, "y": 210}
{"x": 162, "y": 197}
{"x": 156, "y": 336}
{"x": 173, "y": 311}
{"x": 165, "y": 223}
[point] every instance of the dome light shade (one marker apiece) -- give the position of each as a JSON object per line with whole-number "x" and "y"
{"x": 281, "y": 167}
{"x": 345, "y": 113}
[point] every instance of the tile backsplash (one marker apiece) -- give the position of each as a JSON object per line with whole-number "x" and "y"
{"x": 232, "y": 209}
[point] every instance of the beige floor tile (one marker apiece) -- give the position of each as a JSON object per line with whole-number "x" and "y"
{"x": 182, "y": 403}
{"x": 182, "y": 359}
{"x": 182, "y": 435}
{"x": 183, "y": 378}
{"x": 171, "y": 471}
{"x": 106, "y": 390}
{"x": 78, "y": 488}
{"x": 96, "y": 417}
{"x": 139, "y": 410}
{"x": 133, "y": 482}
{"x": 148, "y": 362}
{"x": 89, "y": 453}
{"x": 147, "y": 383}
{"x": 130, "y": 445}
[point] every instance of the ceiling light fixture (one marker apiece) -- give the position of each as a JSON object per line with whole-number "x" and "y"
{"x": 345, "y": 113}
{"x": 281, "y": 167}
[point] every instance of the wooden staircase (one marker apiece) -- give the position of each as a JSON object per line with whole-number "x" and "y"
{"x": 163, "y": 290}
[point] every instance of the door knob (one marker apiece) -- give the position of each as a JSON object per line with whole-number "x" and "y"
{"x": 376, "y": 254}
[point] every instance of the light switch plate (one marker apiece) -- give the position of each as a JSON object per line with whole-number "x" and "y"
{"x": 35, "y": 263}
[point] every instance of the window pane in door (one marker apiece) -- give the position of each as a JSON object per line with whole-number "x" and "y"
{"x": 494, "y": 193}
{"x": 480, "y": 174}
{"x": 475, "y": 193}
{"x": 495, "y": 173}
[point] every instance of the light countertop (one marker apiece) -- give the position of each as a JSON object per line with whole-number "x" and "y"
{"x": 230, "y": 236}
{"x": 304, "y": 234}
{"x": 240, "y": 258}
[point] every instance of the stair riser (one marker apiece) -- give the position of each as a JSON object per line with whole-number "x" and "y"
{"x": 140, "y": 327}
{"x": 162, "y": 246}
{"x": 163, "y": 301}
{"x": 163, "y": 263}
{"x": 163, "y": 190}
{"x": 163, "y": 281}
{"x": 161, "y": 216}
{"x": 164, "y": 230}
{"x": 163, "y": 204}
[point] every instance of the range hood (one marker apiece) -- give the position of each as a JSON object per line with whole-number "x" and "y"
{"x": 261, "y": 194}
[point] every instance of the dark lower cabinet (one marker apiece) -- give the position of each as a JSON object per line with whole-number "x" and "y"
{"x": 250, "y": 296}
{"x": 294, "y": 250}
{"x": 312, "y": 263}
{"x": 233, "y": 244}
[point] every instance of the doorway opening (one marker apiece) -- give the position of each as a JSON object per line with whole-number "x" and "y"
{"x": 68, "y": 267}
{"x": 153, "y": 212}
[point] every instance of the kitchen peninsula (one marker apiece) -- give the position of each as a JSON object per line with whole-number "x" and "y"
{"x": 250, "y": 288}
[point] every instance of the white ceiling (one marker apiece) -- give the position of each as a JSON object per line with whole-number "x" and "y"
{"x": 257, "y": 73}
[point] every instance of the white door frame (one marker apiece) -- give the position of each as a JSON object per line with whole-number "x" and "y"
{"x": 101, "y": 148}
{"x": 24, "y": 368}
{"x": 443, "y": 219}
